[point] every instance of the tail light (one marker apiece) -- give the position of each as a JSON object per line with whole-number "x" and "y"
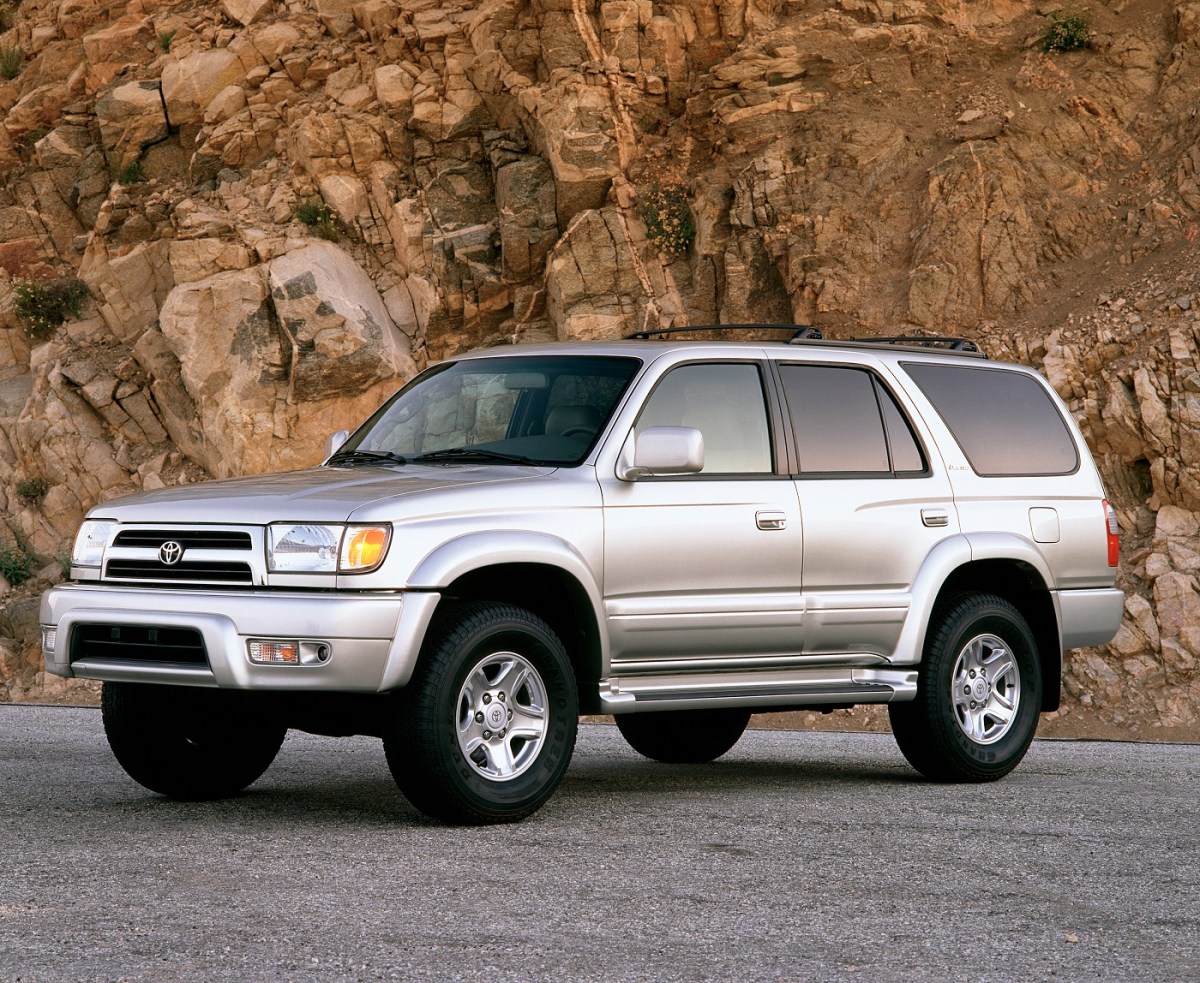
{"x": 1114, "y": 534}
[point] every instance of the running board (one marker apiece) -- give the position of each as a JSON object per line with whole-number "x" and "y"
{"x": 760, "y": 690}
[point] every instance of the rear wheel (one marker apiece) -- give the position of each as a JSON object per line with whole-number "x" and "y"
{"x": 979, "y": 693}
{"x": 683, "y": 736}
{"x": 189, "y": 743}
{"x": 485, "y": 730}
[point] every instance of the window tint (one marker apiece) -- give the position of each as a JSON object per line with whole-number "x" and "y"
{"x": 839, "y": 429}
{"x": 906, "y": 452}
{"x": 1005, "y": 422}
{"x": 725, "y": 403}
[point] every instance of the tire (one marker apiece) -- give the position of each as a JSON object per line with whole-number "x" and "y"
{"x": 188, "y": 743}
{"x": 978, "y": 696}
{"x": 481, "y": 660}
{"x": 683, "y": 736}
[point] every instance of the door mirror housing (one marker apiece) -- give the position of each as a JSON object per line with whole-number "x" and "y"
{"x": 662, "y": 451}
{"x": 335, "y": 441}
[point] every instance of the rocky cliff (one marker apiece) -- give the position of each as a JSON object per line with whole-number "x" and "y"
{"x": 229, "y": 229}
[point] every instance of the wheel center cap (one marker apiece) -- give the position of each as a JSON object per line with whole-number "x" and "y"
{"x": 495, "y": 716}
{"x": 979, "y": 690}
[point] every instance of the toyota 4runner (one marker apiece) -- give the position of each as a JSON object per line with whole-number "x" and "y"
{"x": 678, "y": 533}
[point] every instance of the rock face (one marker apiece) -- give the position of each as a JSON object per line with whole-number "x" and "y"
{"x": 321, "y": 196}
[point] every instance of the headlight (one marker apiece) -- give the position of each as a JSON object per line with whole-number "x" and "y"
{"x": 90, "y": 541}
{"x": 303, "y": 548}
{"x": 297, "y": 547}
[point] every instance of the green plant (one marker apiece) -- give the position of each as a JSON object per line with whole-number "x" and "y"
{"x": 32, "y": 490}
{"x": 1065, "y": 32}
{"x": 6, "y": 15}
{"x": 668, "y": 217}
{"x": 164, "y": 39}
{"x": 16, "y": 562}
{"x": 42, "y": 305}
{"x": 131, "y": 173}
{"x": 10, "y": 62}
{"x": 322, "y": 219}
{"x": 34, "y": 135}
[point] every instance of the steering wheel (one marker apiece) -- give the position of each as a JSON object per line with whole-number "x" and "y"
{"x": 577, "y": 432}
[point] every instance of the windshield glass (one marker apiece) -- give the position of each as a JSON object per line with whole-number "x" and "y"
{"x": 532, "y": 409}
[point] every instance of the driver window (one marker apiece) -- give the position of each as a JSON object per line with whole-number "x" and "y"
{"x": 725, "y": 403}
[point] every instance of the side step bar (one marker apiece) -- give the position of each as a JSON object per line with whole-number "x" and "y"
{"x": 761, "y": 690}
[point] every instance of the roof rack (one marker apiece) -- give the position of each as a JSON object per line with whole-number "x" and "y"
{"x": 799, "y": 332}
{"x": 926, "y": 341}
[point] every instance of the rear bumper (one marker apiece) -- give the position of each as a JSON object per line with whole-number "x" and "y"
{"x": 373, "y": 640}
{"x": 1089, "y": 617}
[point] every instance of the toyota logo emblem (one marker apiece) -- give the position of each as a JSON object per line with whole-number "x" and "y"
{"x": 170, "y": 553}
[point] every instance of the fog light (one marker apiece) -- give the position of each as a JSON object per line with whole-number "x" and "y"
{"x": 49, "y": 635}
{"x": 289, "y": 652}
{"x": 275, "y": 652}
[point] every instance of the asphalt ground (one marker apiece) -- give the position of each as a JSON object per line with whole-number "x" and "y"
{"x": 798, "y": 856}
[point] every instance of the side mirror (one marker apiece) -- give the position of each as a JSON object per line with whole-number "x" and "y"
{"x": 334, "y": 441}
{"x": 662, "y": 450}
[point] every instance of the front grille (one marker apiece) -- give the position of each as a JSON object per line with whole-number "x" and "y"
{"x": 200, "y": 556}
{"x": 203, "y": 539}
{"x": 187, "y": 572}
{"x": 137, "y": 643}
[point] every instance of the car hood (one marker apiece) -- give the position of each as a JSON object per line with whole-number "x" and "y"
{"x": 323, "y": 494}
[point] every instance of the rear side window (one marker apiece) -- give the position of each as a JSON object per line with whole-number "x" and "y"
{"x": 847, "y": 423}
{"x": 1006, "y": 422}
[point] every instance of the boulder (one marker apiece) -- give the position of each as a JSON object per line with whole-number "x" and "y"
{"x": 226, "y": 103}
{"x": 126, "y": 41}
{"x": 393, "y": 86}
{"x": 247, "y": 12}
{"x": 222, "y": 332}
{"x": 131, "y": 117}
{"x": 192, "y": 82}
{"x": 593, "y": 291}
{"x": 342, "y": 338}
{"x": 336, "y": 16}
{"x": 525, "y": 199}
{"x": 346, "y": 195}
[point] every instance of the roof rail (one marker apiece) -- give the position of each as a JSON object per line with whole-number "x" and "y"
{"x": 799, "y": 332}
{"x": 927, "y": 341}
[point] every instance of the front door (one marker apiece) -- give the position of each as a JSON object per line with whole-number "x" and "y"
{"x": 703, "y": 570}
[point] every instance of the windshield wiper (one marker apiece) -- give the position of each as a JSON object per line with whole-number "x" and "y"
{"x": 473, "y": 454}
{"x": 366, "y": 457}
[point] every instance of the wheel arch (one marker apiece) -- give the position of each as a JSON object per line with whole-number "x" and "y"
{"x": 1008, "y": 566}
{"x": 1023, "y": 587}
{"x": 539, "y": 573}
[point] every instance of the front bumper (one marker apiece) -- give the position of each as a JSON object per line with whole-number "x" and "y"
{"x": 373, "y": 640}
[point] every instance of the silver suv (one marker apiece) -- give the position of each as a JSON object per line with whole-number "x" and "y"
{"x": 678, "y": 533}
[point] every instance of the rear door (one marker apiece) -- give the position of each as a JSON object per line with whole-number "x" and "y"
{"x": 874, "y": 498}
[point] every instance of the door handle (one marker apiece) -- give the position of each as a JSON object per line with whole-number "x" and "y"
{"x": 771, "y": 520}
{"x": 935, "y": 518}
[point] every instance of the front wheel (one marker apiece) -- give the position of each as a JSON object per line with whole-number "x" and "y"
{"x": 683, "y": 736}
{"x": 485, "y": 730}
{"x": 979, "y": 693}
{"x": 188, "y": 743}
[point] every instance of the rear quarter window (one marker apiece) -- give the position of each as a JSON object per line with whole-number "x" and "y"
{"x": 1006, "y": 422}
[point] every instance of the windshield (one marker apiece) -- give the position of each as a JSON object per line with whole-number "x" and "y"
{"x": 532, "y": 409}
